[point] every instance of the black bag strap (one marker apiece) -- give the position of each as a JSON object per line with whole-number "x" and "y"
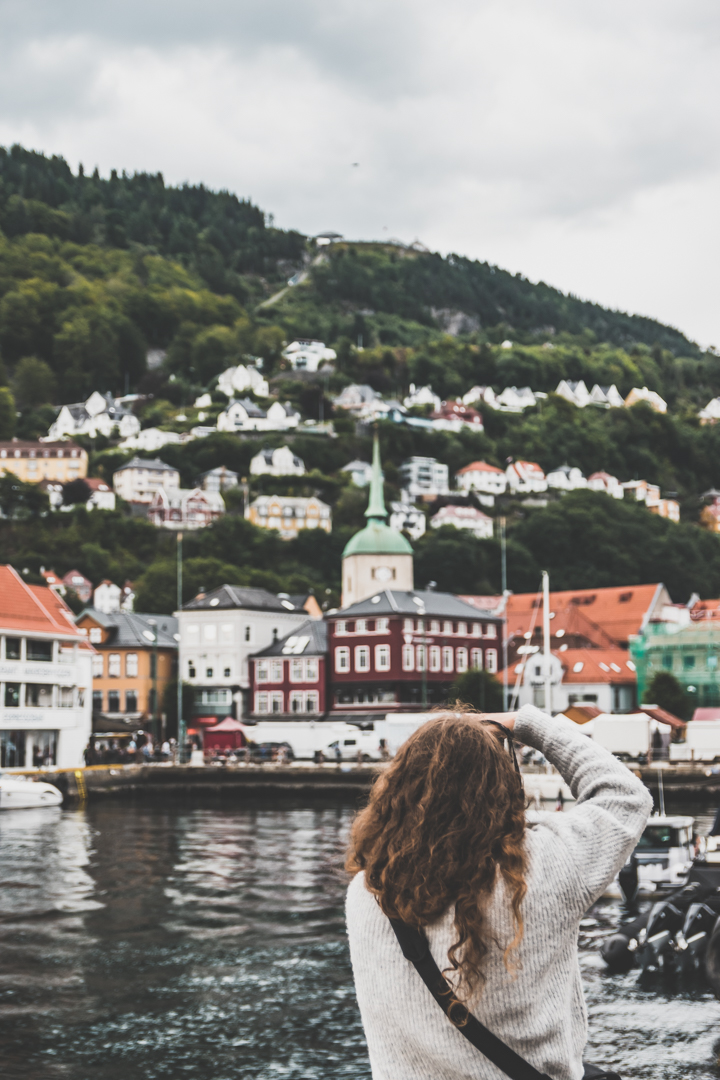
{"x": 415, "y": 948}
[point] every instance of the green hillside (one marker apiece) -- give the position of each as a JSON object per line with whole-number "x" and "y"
{"x": 95, "y": 273}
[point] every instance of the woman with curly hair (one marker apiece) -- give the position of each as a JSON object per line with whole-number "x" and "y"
{"x": 444, "y": 846}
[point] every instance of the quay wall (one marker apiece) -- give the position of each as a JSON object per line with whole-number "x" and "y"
{"x": 298, "y": 781}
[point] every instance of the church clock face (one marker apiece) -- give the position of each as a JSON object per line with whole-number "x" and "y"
{"x": 383, "y": 573}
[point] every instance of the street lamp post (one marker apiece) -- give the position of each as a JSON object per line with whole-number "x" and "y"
{"x": 154, "y": 673}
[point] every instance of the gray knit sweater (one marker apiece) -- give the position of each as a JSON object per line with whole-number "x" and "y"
{"x": 539, "y": 1010}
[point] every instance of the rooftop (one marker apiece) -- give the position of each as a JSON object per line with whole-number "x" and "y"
{"x": 309, "y": 639}
{"x": 128, "y": 629}
{"x": 402, "y": 602}
{"x": 238, "y": 596}
{"x": 146, "y": 463}
{"x": 33, "y": 608}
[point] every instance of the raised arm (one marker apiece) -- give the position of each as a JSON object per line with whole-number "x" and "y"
{"x": 612, "y": 805}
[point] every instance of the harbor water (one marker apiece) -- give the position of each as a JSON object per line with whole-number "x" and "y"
{"x": 139, "y": 940}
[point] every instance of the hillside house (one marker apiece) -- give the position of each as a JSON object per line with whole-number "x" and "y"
{"x": 566, "y": 478}
{"x": 464, "y": 517}
{"x": 219, "y": 479}
{"x": 575, "y": 392}
{"x": 525, "y": 478}
{"x": 99, "y": 415}
{"x": 360, "y": 472}
{"x": 610, "y": 485}
{"x": 289, "y": 514}
{"x": 278, "y": 462}
{"x": 33, "y": 461}
{"x": 142, "y": 478}
{"x": 606, "y": 397}
{"x": 454, "y": 416}
{"x": 407, "y": 518}
{"x": 486, "y": 480}
{"x": 424, "y": 477}
{"x": 241, "y": 380}
{"x": 649, "y": 396}
{"x": 185, "y": 508}
{"x": 306, "y": 354}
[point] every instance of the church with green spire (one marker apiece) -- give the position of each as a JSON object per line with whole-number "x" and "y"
{"x": 377, "y": 557}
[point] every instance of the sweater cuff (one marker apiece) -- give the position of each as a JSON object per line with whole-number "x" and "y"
{"x": 532, "y": 726}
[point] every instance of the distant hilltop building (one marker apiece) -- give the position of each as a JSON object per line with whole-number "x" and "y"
{"x": 711, "y": 413}
{"x": 245, "y": 415}
{"x": 360, "y": 472}
{"x": 424, "y": 476}
{"x": 241, "y": 380}
{"x": 487, "y": 480}
{"x": 290, "y": 514}
{"x": 140, "y": 479}
{"x": 278, "y": 462}
{"x": 649, "y": 396}
{"x": 464, "y": 517}
{"x": 185, "y": 508}
{"x": 99, "y": 415}
{"x": 32, "y": 461}
{"x": 305, "y": 354}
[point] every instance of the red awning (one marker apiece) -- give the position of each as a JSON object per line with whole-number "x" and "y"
{"x": 206, "y": 719}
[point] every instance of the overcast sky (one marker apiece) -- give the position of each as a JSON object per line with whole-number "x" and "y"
{"x": 576, "y": 143}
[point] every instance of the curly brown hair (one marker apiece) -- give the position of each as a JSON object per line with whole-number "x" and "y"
{"x": 442, "y": 820}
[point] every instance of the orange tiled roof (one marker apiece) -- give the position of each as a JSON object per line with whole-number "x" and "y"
{"x": 478, "y": 466}
{"x": 32, "y": 608}
{"x": 614, "y": 612}
{"x": 598, "y": 666}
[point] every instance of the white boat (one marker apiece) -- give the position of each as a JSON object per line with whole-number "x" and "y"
{"x": 661, "y": 860}
{"x": 20, "y": 793}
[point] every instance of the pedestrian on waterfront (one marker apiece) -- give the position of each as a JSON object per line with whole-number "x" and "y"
{"x": 444, "y": 845}
{"x": 338, "y": 753}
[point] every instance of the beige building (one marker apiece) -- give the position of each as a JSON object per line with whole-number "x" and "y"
{"x": 377, "y": 557}
{"x": 141, "y": 479}
{"x": 289, "y": 514}
{"x": 33, "y": 462}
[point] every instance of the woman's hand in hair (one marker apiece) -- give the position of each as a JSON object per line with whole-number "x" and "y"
{"x": 507, "y": 719}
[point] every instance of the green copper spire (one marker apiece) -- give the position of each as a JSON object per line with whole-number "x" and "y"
{"x": 376, "y": 502}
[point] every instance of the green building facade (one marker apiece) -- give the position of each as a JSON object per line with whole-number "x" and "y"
{"x": 691, "y": 653}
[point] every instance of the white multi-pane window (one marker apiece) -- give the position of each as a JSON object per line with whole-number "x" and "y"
{"x": 382, "y": 657}
{"x": 491, "y": 660}
{"x": 304, "y": 701}
{"x": 408, "y": 626}
{"x": 297, "y": 670}
{"x": 95, "y": 634}
{"x": 461, "y": 659}
{"x": 340, "y": 627}
{"x": 312, "y": 701}
{"x": 360, "y": 626}
{"x": 435, "y": 658}
{"x": 311, "y": 670}
{"x": 382, "y": 626}
{"x": 276, "y": 671}
{"x": 462, "y": 628}
{"x": 114, "y": 665}
{"x": 420, "y": 626}
{"x": 269, "y": 702}
{"x": 98, "y": 666}
{"x": 362, "y": 657}
{"x": 420, "y": 658}
{"x": 477, "y": 629}
{"x": 447, "y": 657}
{"x": 262, "y": 671}
{"x": 131, "y": 664}
{"x": 476, "y": 659}
{"x": 408, "y": 658}
{"x": 447, "y": 628}
{"x": 435, "y": 627}
{"x": 66, "y": 695}
{"x": 491, "y": 630}
{"x": 342, "y": 659}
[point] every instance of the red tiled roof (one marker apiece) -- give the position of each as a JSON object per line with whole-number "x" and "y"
{"x": 32, "y": 608}
{"x": 478, "y": 466}
{"x": 95, "y": 484}
{"x": 613, "y": 612}
{"x": 598, "y": 666}
{"x": 706, "y": 714}
{"x": 663, "y": 716}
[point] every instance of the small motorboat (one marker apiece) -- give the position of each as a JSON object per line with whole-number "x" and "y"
{"x": 661, "y": 861}
{"x": 21, "y": 793}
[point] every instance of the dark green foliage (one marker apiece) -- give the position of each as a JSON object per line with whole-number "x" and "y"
{"x": 76, "y": 491}
{"x": 19, "y": 501}
{"x": 8, "y": 418}
{"x": 667, "y": 693}
{"x": 479, "y": 689}
{"x": 34, "y": 382}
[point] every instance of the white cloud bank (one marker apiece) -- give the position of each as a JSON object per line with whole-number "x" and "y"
{"x": 574, "y": 143}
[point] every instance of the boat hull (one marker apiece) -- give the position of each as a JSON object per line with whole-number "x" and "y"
{"x": 26, "y": 795}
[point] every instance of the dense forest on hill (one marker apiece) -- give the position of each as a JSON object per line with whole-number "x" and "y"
{"x": 96, "y": 273}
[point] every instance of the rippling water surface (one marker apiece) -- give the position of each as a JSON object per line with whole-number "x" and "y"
{"x": 144, "y": 942}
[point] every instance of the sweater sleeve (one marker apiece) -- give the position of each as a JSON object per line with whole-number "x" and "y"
{"x": 611, "y": 808}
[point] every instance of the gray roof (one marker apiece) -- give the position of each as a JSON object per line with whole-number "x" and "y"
{"x": 400, "y": 602}
{"x": 147, "y": 463}
{"x": 309, "y": 639}
{"x": 132, "y": 628}
{"x": 238, "y": 596}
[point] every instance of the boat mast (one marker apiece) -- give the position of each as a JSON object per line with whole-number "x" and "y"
{"x": 547, "y": 660}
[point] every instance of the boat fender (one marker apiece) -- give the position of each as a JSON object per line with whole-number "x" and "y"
{"x": 619, "y": 951}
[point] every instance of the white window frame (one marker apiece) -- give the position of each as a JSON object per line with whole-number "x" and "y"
{"x": 312, "y": 701}
{"x": 297, "y": 670}
{"x": 491, "y": 660}
{"x": 477, "y": 629}
{"x": 448, "y": 663}
{"x": 408, "y": 658}
{"x": 131, "y": 665}
{"x": 312, "y": 669}
{"x": 342, "y": 659}
{"x": 95, "y": 635}
{"x": 420, "y": 657}
{"x": 447, "y": 627}
{"x": 491, "y": 630}
{"x": 408, "y": 626}
{"x": 476, "y": 659}
{"x": 296, "y": 703}
{"x": 362, "y": 658}
{"x": 114, "y": 665}
{"x": 462, "y": 629}
{"x": 435, "y": 658}
{"x": 361, "y": 626}
{"x": 262, "y": 671}
{"x": 340, "y": 627}
{"x": 276, "y": 671}
{"x": 261, "y": 701}
{"x": 461, "y": 659}
{"x": 276, "y": 701}
{"x": 98, "y": 666}
{"x": 382, "y": 657}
